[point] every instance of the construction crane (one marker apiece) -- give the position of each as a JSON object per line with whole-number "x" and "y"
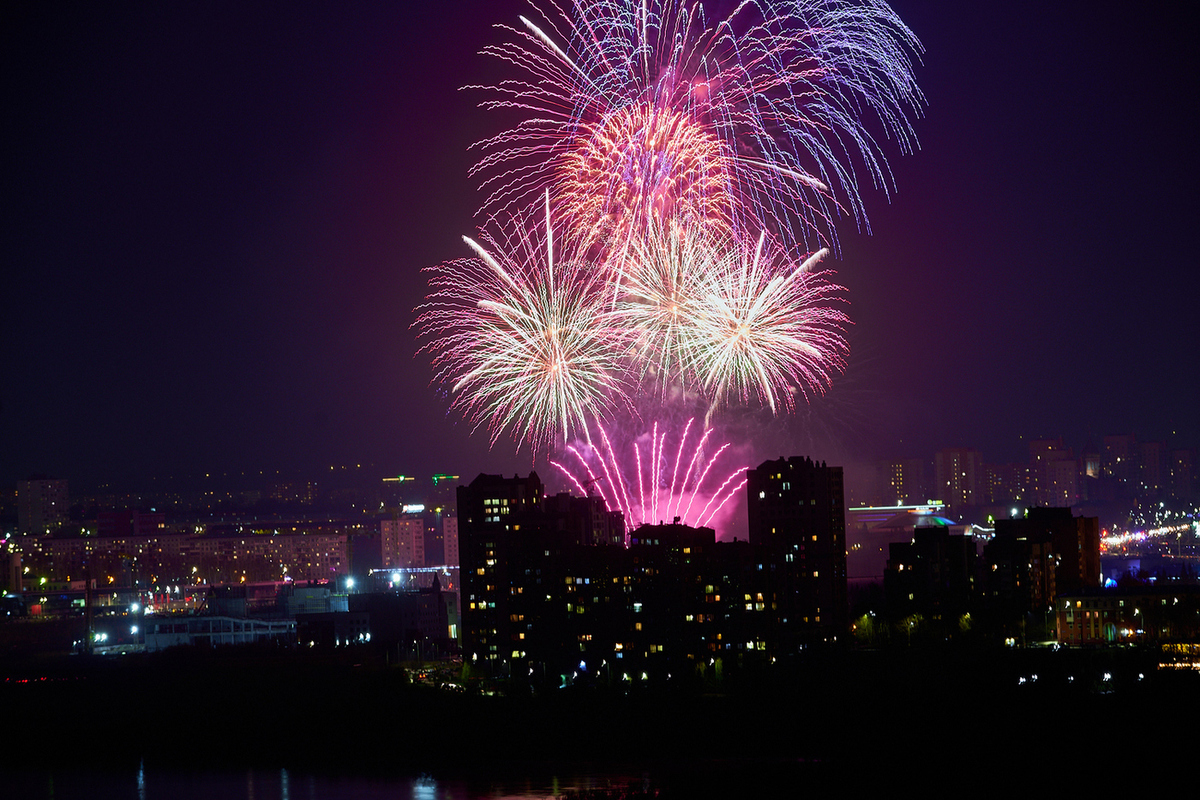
{"x": 587, "y": 485}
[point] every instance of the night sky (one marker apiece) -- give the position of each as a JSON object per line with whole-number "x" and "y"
{"x": 216, "y": 216}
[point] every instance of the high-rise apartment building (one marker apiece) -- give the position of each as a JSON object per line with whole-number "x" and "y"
{"x": 1006, "y": 483}
{"x": 450, "y": 540}
{"x": 1155, "y": 472}
{"x": 553, "y": 586}
{"x": 403, "y": 541}
{"x": 1182, "y": 473}
{"x": 900, "y": 482}
{"x": 1035, "y": 557}
{"x": 958, "y": 477}
{"x": 798, "y": 519}
{"x": 1119, "y": 459}
{"x": 501, "y": 542}
{"x": 1055, "y": 473}
{"x": 555, "y": 583}
{"x": 42, "y": 505}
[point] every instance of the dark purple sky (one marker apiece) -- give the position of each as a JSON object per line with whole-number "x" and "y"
{"x": 216, "y": 217}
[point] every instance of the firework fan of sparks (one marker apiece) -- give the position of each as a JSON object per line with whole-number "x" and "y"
{"x": 671, "y": 483}
{"x": 768, "y": 326}
{"x": 754, "y": 121}
{"x": 518, "y": 331}
{"x": 735, "y": 323}
{"x": 657, "y": 292}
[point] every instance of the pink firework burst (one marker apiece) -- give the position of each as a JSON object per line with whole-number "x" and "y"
{"x": 680, "y": 480}
{"x": 764, "y": 119}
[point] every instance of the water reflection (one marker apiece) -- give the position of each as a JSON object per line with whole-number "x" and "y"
{"x": 283, "y": 784}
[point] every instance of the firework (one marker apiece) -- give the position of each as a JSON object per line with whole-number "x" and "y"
{"x": 656, "y": 302}
{"x": 644, "y": 167}
{"x": 760, "y": 120}
{"x": 729, "y": 322}
{"x": 530, "y": 342}
{"x": 684, "y": 160}
{"x": 662, "y": 483}
{"x": 518, "y": 332}
{"x": 767, "y": 327}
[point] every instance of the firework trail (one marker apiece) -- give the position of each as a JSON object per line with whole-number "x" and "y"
{"x": 518, "y": 332}
{"x": 644, "y": 111}
{"x": 662, "y": 483}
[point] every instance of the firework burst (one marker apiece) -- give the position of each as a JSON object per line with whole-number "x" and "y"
{"x": 726, "y": 321}
{"x": 644, "y": 167}
{"x": 518, "y": 332}
{"x": 656, "y": 302}
{"x": 768, "y": 328}
{"x": 662, "y": 483}
{"x": 759, "y": 120}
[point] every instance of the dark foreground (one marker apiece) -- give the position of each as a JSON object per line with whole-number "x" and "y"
{"x": 836, "y": 721}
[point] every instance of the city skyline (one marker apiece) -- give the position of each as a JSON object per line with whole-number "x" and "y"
{"x": 220, "y": 217}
